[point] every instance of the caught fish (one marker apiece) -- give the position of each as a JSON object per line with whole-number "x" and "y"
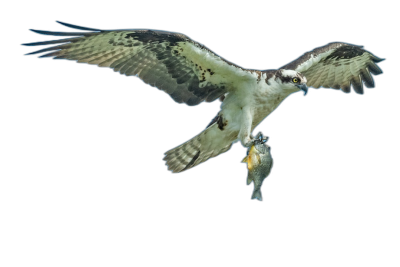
{"x": 259, "y": 163}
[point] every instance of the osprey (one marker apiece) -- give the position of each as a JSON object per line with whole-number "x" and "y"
{"x": 191, "y": 73}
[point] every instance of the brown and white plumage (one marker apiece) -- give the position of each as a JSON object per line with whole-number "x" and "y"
{"x": 172, "y": 62}
{"x": 191, "y": 73}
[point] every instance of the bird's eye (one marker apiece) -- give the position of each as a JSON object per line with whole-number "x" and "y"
{"x": 295, "y": 80}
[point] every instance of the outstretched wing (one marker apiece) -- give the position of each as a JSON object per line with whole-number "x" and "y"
{"x": 338, "y": 66}
{"x": 172, "y": 62}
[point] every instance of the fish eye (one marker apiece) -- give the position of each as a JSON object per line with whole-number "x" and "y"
{"x": 295, "y": 80}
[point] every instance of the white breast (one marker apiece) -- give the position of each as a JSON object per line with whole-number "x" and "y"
{"x": 266, "y": 100}
{"x": 259, "y": 96}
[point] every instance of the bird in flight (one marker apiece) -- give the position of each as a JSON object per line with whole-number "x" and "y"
{"x": 191, "y": 73}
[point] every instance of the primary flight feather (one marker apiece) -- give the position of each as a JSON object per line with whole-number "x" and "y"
{"x": 191, "y": 73}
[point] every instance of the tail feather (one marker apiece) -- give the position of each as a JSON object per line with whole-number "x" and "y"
{"x": 197, "y": 150}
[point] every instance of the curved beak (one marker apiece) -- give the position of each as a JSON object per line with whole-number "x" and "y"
{"x": 303, "y": 87}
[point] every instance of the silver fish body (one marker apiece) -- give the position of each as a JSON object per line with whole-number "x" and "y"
{"x": 259, "y": 163}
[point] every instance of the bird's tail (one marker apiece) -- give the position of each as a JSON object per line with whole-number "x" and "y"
{"x": 209, "y": 143}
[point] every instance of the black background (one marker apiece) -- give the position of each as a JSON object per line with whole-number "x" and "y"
{"x": 92, "y": 141}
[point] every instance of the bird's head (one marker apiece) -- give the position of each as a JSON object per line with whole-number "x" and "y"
{"x": 291, "y": 80}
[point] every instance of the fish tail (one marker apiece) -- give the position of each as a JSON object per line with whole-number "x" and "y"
{"x": 257, "y": 194}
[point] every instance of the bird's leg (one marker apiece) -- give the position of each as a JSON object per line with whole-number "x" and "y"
{"x": 244, "y": 134}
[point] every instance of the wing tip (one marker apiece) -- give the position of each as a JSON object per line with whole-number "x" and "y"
{"x": 67, "y": 33}
{"x": 77, "y": 27}
{"x": 28, "y": 54}
{"x": 346, "y": 92}
{"x": 27, "y": 44}
{"x": 58, "y": 33}
{"x": 52, "y": 54}
{"x": 359, "y": 92}
{"x": 33, "y": 30}
{"x": 63, "y": 23}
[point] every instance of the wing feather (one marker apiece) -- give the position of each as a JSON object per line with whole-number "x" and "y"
{"x": 338, "y": 66}
{"x": 183, "y": 68}
{"x": 367, "y": 78}
{"x": 329, "y": 77}
{"x": 338, "y": 76}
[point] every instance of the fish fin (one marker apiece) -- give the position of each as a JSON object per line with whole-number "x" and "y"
{"x": 245, "y": 159}
{"x": 249, "y": 180}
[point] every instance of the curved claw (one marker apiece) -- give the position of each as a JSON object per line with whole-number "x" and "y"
{"x": 260, "y": 137}
{"x": 265, "y": 139}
